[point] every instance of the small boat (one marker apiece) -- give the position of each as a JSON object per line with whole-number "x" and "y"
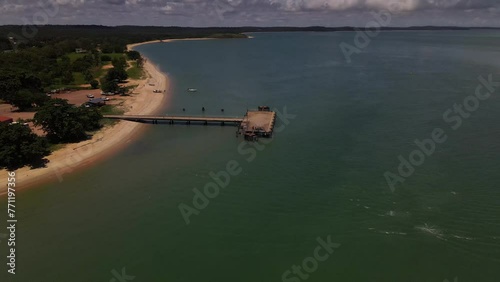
{"x": 192, "y": 90}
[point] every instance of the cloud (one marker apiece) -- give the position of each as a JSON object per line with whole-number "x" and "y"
{"x": 403, "y": 5}
{"x": 257, "y": 12}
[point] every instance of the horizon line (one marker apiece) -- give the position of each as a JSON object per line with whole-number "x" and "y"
{"x": 251, "y": 26}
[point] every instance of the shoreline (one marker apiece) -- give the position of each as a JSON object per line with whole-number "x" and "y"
{"x": 104, "y": 143}
{"x": 132, "y": 46}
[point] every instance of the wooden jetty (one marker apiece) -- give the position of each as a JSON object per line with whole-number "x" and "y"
{"x": 255, "y": 123}
{"x": 174, "y": 119}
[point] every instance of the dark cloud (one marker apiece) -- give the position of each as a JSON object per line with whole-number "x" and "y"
{"x": 255, "y": 12}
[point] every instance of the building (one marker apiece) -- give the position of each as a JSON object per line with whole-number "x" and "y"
{"x": 80, "y": 50}
{"x": 4, "y": 119}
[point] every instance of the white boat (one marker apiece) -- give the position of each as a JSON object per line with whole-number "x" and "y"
{"x": 192, "y": 90}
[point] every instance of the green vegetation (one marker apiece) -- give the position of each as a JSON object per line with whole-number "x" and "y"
{"x": 21, "y": 89}
{"x": 94, "y": 84}
{"x": 66, "y": 57}
{"x": 111, "y": 110}
{"x": 109, "y": 86}
{"x": 116, "y": 75}
{"x": 75, "y": 56}
{"x": 133, "y": 55}
{"x": 64, "y": 122}
{"x": 78, "y": 78}
{"x": 135, "y": 72}
{"x": 108, "y": 39}
{"x": 21, "y": 147}
{"x": 115, "y": 55}
{"x": 99, "y": 72}
{"x": 106, "y": 58}
{"x": 26, "y": 100}
{"x": 119, "y": 63}
{"x": 55, "y": 147}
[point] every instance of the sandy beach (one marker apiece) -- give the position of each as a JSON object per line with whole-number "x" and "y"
{"x": 132, "y": 46}
{"x": 106, "y": 142}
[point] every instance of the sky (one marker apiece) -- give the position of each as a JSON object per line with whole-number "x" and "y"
{"x": 330, "y": 13}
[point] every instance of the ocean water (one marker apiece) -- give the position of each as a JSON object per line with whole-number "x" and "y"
{"x": 320, "y": 178}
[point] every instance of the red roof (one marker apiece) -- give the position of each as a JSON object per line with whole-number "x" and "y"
{"x": 6, "y": 119}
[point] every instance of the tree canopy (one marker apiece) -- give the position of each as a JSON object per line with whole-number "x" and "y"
{"x": 25, "y": 99}
{"x": 19, "y": 147}
{"x": 116, "y": 74}
{"x": 64, "y": 122}
{"x": 133, "y": 55}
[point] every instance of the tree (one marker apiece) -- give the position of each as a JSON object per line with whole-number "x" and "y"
{"x": 107, "y": 48}
{"x": 9, "y": 84}
{"x": 64, "y": 122}
{"x": 20, "y": 147}
{"x": 46, "y": 78}
{"x": 25, "y": 99}
{"x": 133, "y": 55}
{"x": 109, "y": 86}
{"x": 31, "y": 82}
{"x": 94, "y": 84}
{"x": 12, "y": 81}
{"x": 116, "y": 75}
{"x": 140, "y": 62}
{"x": 88, "y": 76}
{"x": 5, "y": 44}
{"x": 119, "y": 48}
{"x": 90, "y": 118}
{"x": 67, "y": 77}
{"x": 97, "y": 57}
{"x": 82, "y": 64}
{"x": 65, "y": 62}
{"x": 106, "y": 58}
{"x": 119, "y": 63}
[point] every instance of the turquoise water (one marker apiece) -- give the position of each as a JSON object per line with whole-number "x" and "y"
{"x": 322, "y": 175}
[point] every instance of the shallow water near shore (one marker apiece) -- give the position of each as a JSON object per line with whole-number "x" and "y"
{"x": 321, "y": 176}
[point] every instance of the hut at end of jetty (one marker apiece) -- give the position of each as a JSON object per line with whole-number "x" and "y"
{"x": 259, "y": 123}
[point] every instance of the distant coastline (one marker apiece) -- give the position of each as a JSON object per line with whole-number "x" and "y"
{"x": 131, "y": 47}
{"x": 137, "y": 34}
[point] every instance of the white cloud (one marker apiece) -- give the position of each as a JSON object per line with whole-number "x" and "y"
{"x": 394, "y": 5}
{"x": 402, "y": 5}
